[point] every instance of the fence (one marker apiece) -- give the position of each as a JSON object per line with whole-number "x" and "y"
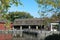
{"x": 16, "y": 35}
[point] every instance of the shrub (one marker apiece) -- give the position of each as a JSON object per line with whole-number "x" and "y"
{"x": 53, "y": 37}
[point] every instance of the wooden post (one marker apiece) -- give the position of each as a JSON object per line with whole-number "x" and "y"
{"x": 20, "y": 31}
{"x": 29, "y": 27}
{"x": 51, "y": 27}
{"x": 36, "y": 27}
{"x": 20, "y": 27}
{"x": 13, "y": 28}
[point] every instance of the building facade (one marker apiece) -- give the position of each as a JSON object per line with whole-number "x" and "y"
{"x": 2, "y": 25}
{"x": 32, "y": 23}
{"x": 55, "y": 26}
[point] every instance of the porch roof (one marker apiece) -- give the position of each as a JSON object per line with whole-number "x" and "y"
{"x": 31, "y": 21}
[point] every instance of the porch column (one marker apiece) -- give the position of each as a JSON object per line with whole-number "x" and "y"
{"x": 14, "y": 31}
{"x": 20, "y": 27}
{"x": 36, "y": 27}
{"x": 13, "y": 27}
{"x": 51, "y": 27}
{"x": 29, "y": 27}
{"x": 20, "y": 31}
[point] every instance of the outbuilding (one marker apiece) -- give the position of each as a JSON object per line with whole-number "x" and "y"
{"x": 2, "y": 24}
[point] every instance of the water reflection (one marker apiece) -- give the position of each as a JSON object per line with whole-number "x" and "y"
{"x": 6, "y": 37}
{"x": 17, "y": 37}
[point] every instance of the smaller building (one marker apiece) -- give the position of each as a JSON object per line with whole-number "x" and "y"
{"x": 2, "y": 25}
{"x": 55, "y": 26}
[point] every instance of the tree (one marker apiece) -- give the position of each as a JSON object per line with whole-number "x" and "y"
{"x": 5, "y": 4}
{"x": 55, "y": 8}
{"x": 14, "y": 15}
{"x": 55, "y": 3}
{"x": 56, "y": 16}
{"x": 53, "y": 37}
{"x": 52, "y": 3}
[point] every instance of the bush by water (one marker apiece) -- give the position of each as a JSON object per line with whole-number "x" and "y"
{"x": 53, "y": 37}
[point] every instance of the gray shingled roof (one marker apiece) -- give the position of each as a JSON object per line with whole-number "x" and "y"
{"x": 30, "y": 21}
{"x": 3, "y": 20}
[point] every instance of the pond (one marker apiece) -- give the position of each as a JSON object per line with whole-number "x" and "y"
{"x": 17, "y": 37}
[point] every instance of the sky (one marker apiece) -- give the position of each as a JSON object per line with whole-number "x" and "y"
{"x": 29, "y": 6}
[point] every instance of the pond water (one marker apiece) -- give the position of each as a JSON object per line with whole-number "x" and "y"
{"x": 17, "y": 37}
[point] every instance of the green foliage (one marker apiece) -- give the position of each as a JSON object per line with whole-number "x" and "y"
{"x": 54, "y": 3}
{"x": 58, "y": 15}
{"x": 55, "y": 17}
{"x": 53, "y": 37}
{"x": 5, "y": 4}
{"x": 14, "y": 15}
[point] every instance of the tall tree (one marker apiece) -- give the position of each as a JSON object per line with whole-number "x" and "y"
{"x": 5, "y": 4}
{"x": 55, "y": 4}
{"x": 56, "y": 17}
{"x": 52, "y": 3}
{"x": 14, "y": 15}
